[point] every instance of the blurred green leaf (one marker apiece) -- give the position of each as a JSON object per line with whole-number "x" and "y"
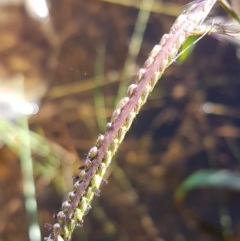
{"x": 187, "y": 48}
{"x": 209, "y": 178}
{"x": 233, "y": 10}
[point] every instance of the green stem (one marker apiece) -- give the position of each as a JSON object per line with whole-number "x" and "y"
{"x": 28, "y": 177}
{"x": 134, "y": 45}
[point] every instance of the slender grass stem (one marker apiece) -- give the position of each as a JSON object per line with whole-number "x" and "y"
{"x": 135, "y": 45}
{"x": 99, "y": 102}
{"x": 28, "y": 178}
{"x": 100, "y": 155}
{"x": 162, "y": 7}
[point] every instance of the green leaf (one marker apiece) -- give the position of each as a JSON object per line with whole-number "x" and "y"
{"x": 187, "y": 48}
{"x": 209, "y": 178}
{"x": 225, "y": 5}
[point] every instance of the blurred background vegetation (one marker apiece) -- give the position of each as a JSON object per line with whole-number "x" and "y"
{"x": 176, "y": 175}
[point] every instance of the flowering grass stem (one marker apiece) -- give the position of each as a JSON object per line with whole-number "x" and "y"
{"x": 79, "y": 200}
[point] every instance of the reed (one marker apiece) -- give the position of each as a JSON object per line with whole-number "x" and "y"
{"x": 99, "y": 157}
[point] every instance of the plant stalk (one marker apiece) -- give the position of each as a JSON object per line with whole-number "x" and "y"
{"x": 99, "y": 157}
